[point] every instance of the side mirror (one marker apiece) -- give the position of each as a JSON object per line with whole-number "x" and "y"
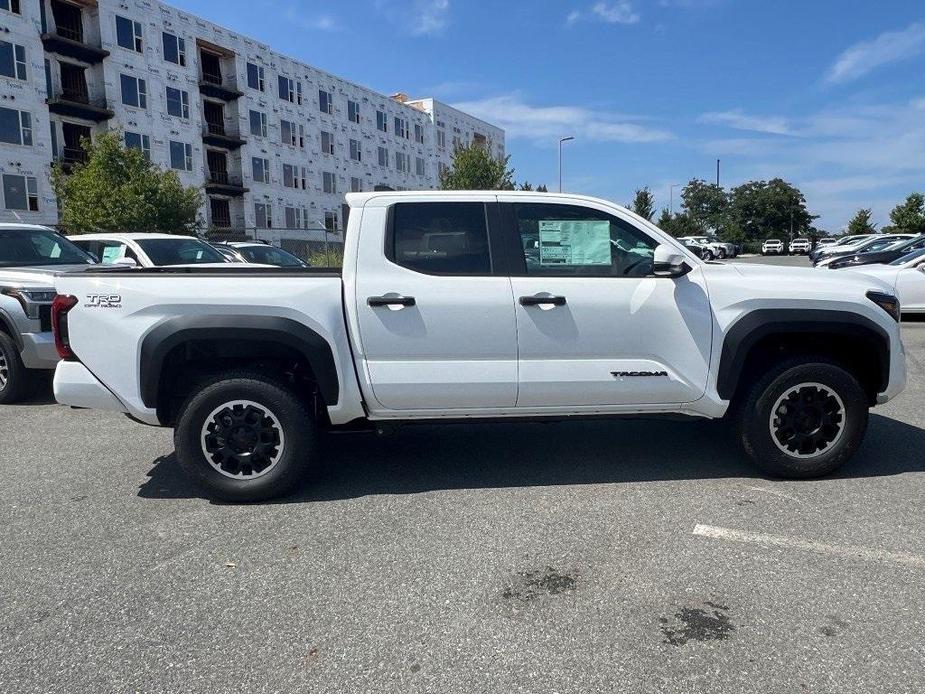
{"x": 668, "y": 262}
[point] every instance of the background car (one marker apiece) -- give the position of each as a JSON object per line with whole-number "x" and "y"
{"x": 257, "y": 252}
{"x": 906, "y": 275}
{"x": 772, "y": 247}
{"x": 840, "y": 243}
{"x": 718, "y": 249}
{"x": 887, "y": 255}
{"x": 148, "y": 250}
{"x": 877, "y": 242}
{"x": 800, "y": 246}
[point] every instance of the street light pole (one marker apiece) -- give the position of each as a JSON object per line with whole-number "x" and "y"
{"x": 671, "y": 197}
{"x": 561, "y": 140}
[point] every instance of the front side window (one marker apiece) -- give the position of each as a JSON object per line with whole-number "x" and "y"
{"x": 174, "y": 49}
{"x": 255, "y": 78}
{"x": 139, "y": 142}
{"x": 128, "y": 34}
{"x": 20, "y": 193}
{"x": 569, "y": 240}
{"x": 181, "y": 156}
{"x": 15, "y": 127}
{"x": 12, "y": 60}
{"x": 134, "y": 91}
{"x": 442, "y": 238}
{"x": 178, "y": 103}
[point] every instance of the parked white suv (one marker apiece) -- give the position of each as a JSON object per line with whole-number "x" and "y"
{"x": 772, "y": 247}
{"x": 148, "y": 249}
{"x": 478, "y": 305}
{"x": 800, "y": 246}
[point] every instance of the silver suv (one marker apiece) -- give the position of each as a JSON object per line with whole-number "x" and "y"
{"x": 30, "y": 256}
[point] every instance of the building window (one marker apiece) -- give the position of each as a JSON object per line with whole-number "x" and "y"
{"x": 255, "y": 78}
{"x": 419, "y": 133}
{"x": 264, "y": 214}
{"x": 174, "y": 49}
{"x": 138, "y": 141}
{"x": 441, "y": 139}
{"x": 327, "y": 142}
{"x": 382, "y": 121}
{"x": 401, "y": 127}
{"x": 356, "y": 152}
{"x": 296, "y": 218}
{"x": 328, "y": 182}
{"x": 20, "y": 193}
{"x": 442, "y": 169}
{"x": 356, "y": 184}
{"x": 292, "y": 133}
{"x": 134, "y": 91}
{"x": 177, "y": 102}
{"x": 15, "y": 127}
{"x": 353, "y": 111}
{"x": 260, "y": 166}
{"x": 10, "y": 6}
{"x": 419, "y": 166}
{"x": 383, "y": 156}
{"x": 325, "y": 101}
{"x": 181, "y": 156}
{"x": 12, "y": 60}
{"x": 402, "y": 162}
{"x": 258, "y": 121}
{"x": 330, "y": 222}
{"x": 221, "y": 212}
{"x": 294, "y": 176}
{"x": 128, "y": 34}
{"x": 290, "y": 90}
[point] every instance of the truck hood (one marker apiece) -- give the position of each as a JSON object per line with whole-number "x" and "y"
{"x": 40, "y": 276}
{"x": 810, "y": 281}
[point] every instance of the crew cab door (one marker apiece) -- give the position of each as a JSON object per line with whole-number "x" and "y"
{"x": 435, "y": 314}
{"x": 595, "y": 328}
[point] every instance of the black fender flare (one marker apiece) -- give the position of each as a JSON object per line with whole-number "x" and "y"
{"x": 746, "y": 332}
{"x": 158, "y": 343}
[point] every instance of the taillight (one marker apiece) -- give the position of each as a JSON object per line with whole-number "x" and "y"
{"x": 59, "y": 308}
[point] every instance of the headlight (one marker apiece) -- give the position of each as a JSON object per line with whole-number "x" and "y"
{"x": 29, "y": 298}
{"x": 887, "y": 302}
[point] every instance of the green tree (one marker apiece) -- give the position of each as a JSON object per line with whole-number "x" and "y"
{"x": 767, "y": 209}
{"x": 541, "y": 189}
{"x": 328, "y": 257}
{"x": 475, "y": 169}
{"x": 526, "y": 185}
{"x": 861, "y": 224}
{"x": 118, "y": 189}
{"x": 677, "y": 224}
{"x": 909, "y": 216}
{"x": 705, "y": 204}
{"x": 644, "y": 203}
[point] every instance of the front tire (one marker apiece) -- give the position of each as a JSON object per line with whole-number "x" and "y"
{"x": 245, "y": 437}
{"x": 805, "y": 418}
{"x": 16, "y": 381}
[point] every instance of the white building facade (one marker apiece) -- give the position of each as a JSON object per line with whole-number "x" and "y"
{"x": 274, "y": 143}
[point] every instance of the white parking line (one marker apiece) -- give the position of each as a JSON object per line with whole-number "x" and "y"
{"x": 845, "y": 551}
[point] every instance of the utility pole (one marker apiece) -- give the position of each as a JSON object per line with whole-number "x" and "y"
{"x": 561, "y": 140}
{"x": 717, "y": 173}
{"x": 671, "y": 197}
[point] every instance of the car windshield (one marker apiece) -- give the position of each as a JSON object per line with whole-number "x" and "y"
{"x": 918, "y": 253}
{"x": 34, "y": 247}
{"x": 270, "y": 255}
{"x": 179, "y": 251}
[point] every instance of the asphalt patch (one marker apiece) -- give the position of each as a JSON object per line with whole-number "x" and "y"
{"x": 697, "y": 624}
{"x": 531, "y": 585}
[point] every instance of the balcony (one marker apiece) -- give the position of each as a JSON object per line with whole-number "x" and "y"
{"x": 212, "y": 84}
{"x": 217, "y": 135}
{"x": 70, "y": 43}
{"x": 221, "y": 183}
{"x": 75, "y": 103}
{"x": 70, "y": 156}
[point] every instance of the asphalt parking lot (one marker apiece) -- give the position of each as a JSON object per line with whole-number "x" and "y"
{"x": 636, "y": 556}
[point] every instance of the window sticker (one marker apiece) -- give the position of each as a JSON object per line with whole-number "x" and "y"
{"x": 567, "y": 242}
{"x": 111, "y": 254}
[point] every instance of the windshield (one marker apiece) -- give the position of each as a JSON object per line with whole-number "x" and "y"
{"x": 35, "y": 247}
{"x": 918, "y": 253}
{"x": 179, "y": 251}
{"x": 270, "y": 255}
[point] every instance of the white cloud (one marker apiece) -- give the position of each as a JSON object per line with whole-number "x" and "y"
{"x": 615, "y": 12}
{"x": 324, "y": 23}
{"x": 737, "y": 119}
{"x": 891, "y": 46}
{"x": 548, "y": 123}
{"x": 433, "y": 16}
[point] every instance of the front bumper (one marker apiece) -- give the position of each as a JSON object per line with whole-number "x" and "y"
{"x": 38, "y": 350}
{"x": 897, "y": 371}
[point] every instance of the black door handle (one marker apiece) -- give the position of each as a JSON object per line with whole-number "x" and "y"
{"x": 541, "y": 300}
{"x": 390, "y": 301}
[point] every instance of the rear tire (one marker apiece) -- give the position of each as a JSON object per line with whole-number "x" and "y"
{"x": 805, "y": 418}
{"x": 16, "y": 381}
{"x": 245, "y": 437}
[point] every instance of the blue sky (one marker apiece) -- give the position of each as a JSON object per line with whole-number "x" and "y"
{"x": 829, "y": 94}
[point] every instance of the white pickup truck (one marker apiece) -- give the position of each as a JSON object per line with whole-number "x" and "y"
{"x": 475, "y": 305}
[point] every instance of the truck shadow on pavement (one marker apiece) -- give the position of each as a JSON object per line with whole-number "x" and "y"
{"x": 424, "y": 458}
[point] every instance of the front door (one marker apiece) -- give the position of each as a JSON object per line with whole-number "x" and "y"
{"x": 595, "y": 328}
{"x": 436, "y": 315}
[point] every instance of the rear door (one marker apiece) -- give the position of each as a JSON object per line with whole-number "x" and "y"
{"x": 434, "y": 308}
{"x": 595, "y": 328}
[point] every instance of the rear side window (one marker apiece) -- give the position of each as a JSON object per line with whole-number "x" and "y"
{"x": 440, "y": 238}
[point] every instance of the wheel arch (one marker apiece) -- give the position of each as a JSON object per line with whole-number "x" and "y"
{"x": 772, "y": 334}
{"x": 8, "y": 326}
{"x": 174, "y": 343}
